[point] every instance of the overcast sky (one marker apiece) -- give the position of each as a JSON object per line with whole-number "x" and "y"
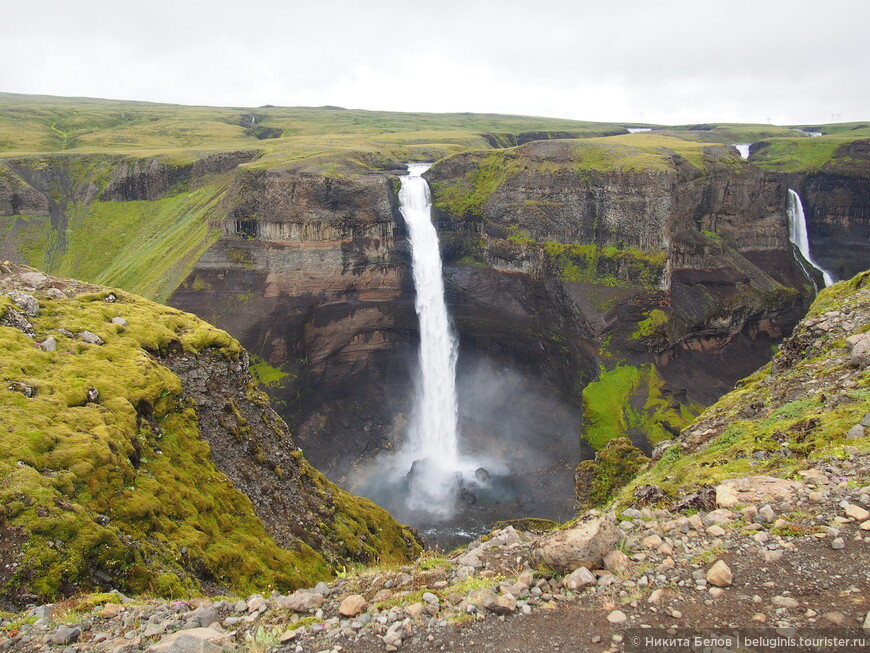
{"x": 671, "y": 61}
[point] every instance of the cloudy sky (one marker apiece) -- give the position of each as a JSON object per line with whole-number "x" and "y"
{"x": 671, "y": 61}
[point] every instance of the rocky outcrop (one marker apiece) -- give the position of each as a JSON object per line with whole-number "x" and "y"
{"x": 117, "y": 472}
{"x": 152, "y": 179}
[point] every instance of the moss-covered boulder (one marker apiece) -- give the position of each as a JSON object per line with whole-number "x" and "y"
{"x": 116, "y": 472}
{"x": 596, "y": 481}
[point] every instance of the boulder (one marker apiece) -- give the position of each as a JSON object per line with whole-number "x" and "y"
{"x": 582, "y": 545}
{"x": 302, "y": 601}
{"x": 578, "y": 579}
{"x": 753, "y": 490}
{"x": 720, "y": 574}
{"x": 352, "y": 605}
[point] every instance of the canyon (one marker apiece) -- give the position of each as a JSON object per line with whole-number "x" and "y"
{"x": 602, "y": 285}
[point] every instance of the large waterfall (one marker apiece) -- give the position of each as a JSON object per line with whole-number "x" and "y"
{"x": 433, "y": 433}
{"x": 797, "y": 233}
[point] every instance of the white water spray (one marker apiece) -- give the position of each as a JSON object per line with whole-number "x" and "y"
{"x": 797, "y": 233}
{"x": 743, "y": 148}
{"x": 433, "y": 436}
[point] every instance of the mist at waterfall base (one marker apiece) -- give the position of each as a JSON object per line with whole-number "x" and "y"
{"x": 450, "y": 488}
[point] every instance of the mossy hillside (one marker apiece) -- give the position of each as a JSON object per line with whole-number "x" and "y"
{"x": 775, "y": 422}
{"x": 146, "y": 247}
{"x": 628, "y": 401}
{"x": 609, "y": 266}
{"x": 726, "y": 133}
{"x": 829, "y": 152}
{"x": 122, "y": 489}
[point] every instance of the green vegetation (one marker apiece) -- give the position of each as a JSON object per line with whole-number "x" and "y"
{"x": 608, "y": 266}
{"x": 105, "y": 472}
{"x": 467, "y": 198}
{"x": 651, "y": 326}
{"x": 614, "y": 466}
{"x": 784, "y": 435}
{"x": 627, "y": 400}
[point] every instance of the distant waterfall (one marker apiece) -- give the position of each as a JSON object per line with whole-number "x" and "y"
{"x": 797, "y": 233}
{"x": 743, "y": 148}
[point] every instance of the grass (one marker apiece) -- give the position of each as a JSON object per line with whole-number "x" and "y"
{"x": 808, "y": 427}
{"x": 626, "y": 400}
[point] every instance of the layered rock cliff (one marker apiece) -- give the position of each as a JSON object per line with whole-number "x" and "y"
{"x": 139, "y": 455}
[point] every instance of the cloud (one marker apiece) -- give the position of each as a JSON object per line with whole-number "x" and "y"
{"x": 671, "y": 62}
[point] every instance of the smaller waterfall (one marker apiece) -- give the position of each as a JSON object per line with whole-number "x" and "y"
{"x": 743, "y": 148}
{"x": 797, "y": 233}
{"x": 638, "y": 130}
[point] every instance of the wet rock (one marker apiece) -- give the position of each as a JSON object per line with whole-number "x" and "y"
{"x": 582, "y": 545}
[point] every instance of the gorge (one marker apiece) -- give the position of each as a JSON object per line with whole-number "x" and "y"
{"x": 601, "y": 285}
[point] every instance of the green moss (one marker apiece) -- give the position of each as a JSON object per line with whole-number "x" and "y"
{"x": 609, "y": 266}
{"x": 96, "y": 487}
{"x": 267, "y": 375}
{"x": 651, "y": 326}
{"x": 613, "y": 467}
{"x": 627, "y": 400}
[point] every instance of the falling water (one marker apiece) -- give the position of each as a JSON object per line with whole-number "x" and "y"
{"x": 743, "y": 148}
{"x": 432, "y": 440}
{"x": 797, "y": 233}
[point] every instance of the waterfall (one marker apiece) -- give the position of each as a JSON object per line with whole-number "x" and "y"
{"x": 433, "y": 436}
{"x": 797, "y": 233}
{"x": 743, "y": 148}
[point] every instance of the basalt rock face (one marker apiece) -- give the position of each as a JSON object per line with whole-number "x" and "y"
{"x": 703, "y": 242}
{"x": 309, "y": 275}
{"x": 836, "y": 204}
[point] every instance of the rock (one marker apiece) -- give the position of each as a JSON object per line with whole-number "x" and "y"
{"x": 785, "y": 602}
{"x": 17, "y": 320}
{"x": 866, "y": 625}
{"x": 66, "y": 635}
{"x": 491, "y": 601}
{"x": 352, "y": 605}
{"x": 302, "y": 601}
{"x": 856, "y": 432}
{"x": 120, "y": 321}
{"x": 857, "y": 512}
{"x": 34, "y": 279}
{"x": 49, "y": 344}
{"x": 771, "y": 556}
{"x": 716, "y": 530}
{"x": 25, "y": 302}
{"x": 617, "y": 617}
{"x": 836, "y": 618}
{"x": 154, "y": 629}
{"x": 288, "y": 636}
{"x": 651, "y": 541}
{"x": 91, "y": 338}
{"x": 655, "y": 596}
{"x": 616, "y": 561}
{"x": 578, "y": 579}
{"x": 754, "y": 490}
{"x": 192, "y": 640}
{"x": 860, "y": 345}
{"x": 765, "y": 515}
{"x": 111, "y": 610}
{"x": 582, "y": 545}
{"x": 838, "y": 543}
{"x": 20, "y": 386}
{"x": 255, "y": 602}
{"x": 414, "y": 610}
{"x": 321, "y": 588}
{"x": 93, "y": 394}
{"x": 719, "y": 574}
{"x": 207, "y": 617}
{"x": 382, "y": 595}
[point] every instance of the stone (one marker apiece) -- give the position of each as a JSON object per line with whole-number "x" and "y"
{"x": 617, "y": 617}
{"x": 91, "y": 338}
{"x": 582, "y": 545}
{"x": 720, "y": 574}
{"x": 754, "y": 490}
{"x": 491, "y": 601}
{"x": 856, "y": 432}
{"x": 860, "y": 344}
{"x": 288, "y": 636}
{"x": 66, "y": 635}
{"x": 414, "y": 610}
{"x": 382, "y": 595}
{"x": 651, "y": 541}
{"x": 784, "y": 602}
{"x": 207, "y": 617}
{"x": 857, "y": 512}
{"x": 771, "y": 556}
{"x": 34, "y": 279}
{"x": 716, "y": 530}
{"x": 578, "y": 579}
{"x": 49, "y": 344}
{"x": 255, "y": 603}
{"x": 302, "y": 601}
{"x": 838, "y": 543}
{"x": 655, "y": 596}
{"x": 352, "y": 605}
{"x": 836, "y": 618}
{"x": 111, "y": 610}
{"x": 765, "y": 515}
{"x": 120, "y": 321}
{"x": 616, "y": 561}
{"x": 25, "y": 302}
{"x": 866, "y": 625}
